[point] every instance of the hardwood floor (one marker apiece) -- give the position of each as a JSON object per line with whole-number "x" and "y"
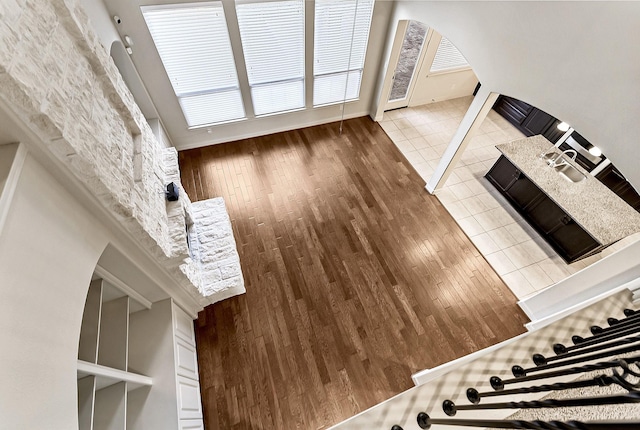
{"x": 356, "y": 277}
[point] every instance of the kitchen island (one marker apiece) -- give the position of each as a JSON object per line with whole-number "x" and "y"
{"x": 577, "y": 219}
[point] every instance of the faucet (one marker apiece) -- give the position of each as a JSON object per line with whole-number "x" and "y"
{"x": 555, "y": 163}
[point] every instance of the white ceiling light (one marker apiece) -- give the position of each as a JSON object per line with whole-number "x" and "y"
{"x": 595, "y": 151}
{"x": 563, "y": 126}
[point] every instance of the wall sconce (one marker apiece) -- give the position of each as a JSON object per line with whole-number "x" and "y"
{"x": 563, "y": 126}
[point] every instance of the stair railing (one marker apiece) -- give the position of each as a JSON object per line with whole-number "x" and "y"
{"x": 618, "y": 340}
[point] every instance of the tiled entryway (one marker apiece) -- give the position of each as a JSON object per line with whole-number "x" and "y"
{"x": 526, "y": 263}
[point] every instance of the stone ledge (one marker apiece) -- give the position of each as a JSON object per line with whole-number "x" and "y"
{"x": 220, "y": 274}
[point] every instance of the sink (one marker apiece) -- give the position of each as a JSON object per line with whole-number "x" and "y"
{"x": 564, "y": 169}
{"x": 570, "y": 173}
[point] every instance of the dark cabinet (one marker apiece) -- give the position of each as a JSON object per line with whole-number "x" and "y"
{"x": 513, "y": 110}
{"x": 528, "y": 119}
{"x": 503, "y": 174}
{"x": 523, "y": 192}
{"x": 564, "y": 235}
{"x": 547, "y": 215}
{"x": 572, "y": 240}
{"x": 611, "y": 177}
{"x": 560, "y": 230}
{"x": 540, "y": 122}
{"x": 616, "y": 182}
{"x": 513, "y": 183}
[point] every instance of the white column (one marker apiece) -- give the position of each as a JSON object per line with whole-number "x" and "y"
{"x": 480, "y": 106}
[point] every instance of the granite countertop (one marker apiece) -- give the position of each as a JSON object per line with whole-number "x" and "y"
{"x": 591, "y": 204}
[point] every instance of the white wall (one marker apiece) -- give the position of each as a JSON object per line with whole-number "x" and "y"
{"x": 48, "y": 249}
{"x": 102, "y": 22}
{"x": 431, "y": 87}
{"x": 130, "y": 75}
{"x": 7, "y": 152}
{"x": 150, "y": 68}
{"x": 441, "y": 86}
{"x": 570, "y": 59}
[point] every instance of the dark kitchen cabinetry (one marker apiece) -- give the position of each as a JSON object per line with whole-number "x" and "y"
{"x": 547, "y": 215}
{"x": 513, "y": 110}
{"x": 513, "y": 183}
{"x": 528, "y": 119}
{"x": 523, "y": 192}
{"x": 612, "y": 178}
{"x": 564, "y": 235}
{"x": 503, "y": 174}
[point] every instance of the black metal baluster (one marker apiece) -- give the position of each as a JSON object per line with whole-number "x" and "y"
{"x": 600, "y": 381}
{"x": 598, "y": 346}
{"x": 596, "y": 329}
{"x": 519, "y": 371}
{"x": 560, "y": 349}
{"x": 498, "y": 383}
{"x": 628, "y": 317}
{"x": 425, "y": 422}
{"x": 540, "y": 359}
{"x": 450, "y": 408}
{"x": 578, "y": 339}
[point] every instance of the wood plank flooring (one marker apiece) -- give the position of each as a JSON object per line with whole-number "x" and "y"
{"x": 356, "y": 277}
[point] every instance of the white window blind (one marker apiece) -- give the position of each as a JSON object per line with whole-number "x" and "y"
{"x": 335, "y": 76}
{"x": 193, "y": 43}
{"x": 273, "y": 43}
{"x": 447, "y": 57}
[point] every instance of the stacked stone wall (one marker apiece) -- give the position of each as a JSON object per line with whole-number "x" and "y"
{"x": 61, "y": 82}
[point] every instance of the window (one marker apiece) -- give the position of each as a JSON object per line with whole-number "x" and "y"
{"x": 193, "y": 44}
{"x": 273, "y": 43}
{"x": 339, "y": 61}
{"x": 447, "y": 57}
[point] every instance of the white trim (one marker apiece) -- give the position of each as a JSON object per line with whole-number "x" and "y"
{"x": 116, "y": 282}
{"x": 339, "y": 102}
{"x": 10, "y": 185}
{"x": 535, "y": 325}
{"x": 276, "y": 129}
{"x": 448, "y": 71}
{"x": 428, "y": 375}
{"x": 115, "y": 375}
{"x": 600, "y": 167}
{"x": 178, "y": 5}
{"x": 215, "y": 124}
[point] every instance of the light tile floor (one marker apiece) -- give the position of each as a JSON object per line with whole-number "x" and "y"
{"x": 526, "y": 263}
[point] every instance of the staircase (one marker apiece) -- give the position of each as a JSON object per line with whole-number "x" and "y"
{"x": 579, "y": 372}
